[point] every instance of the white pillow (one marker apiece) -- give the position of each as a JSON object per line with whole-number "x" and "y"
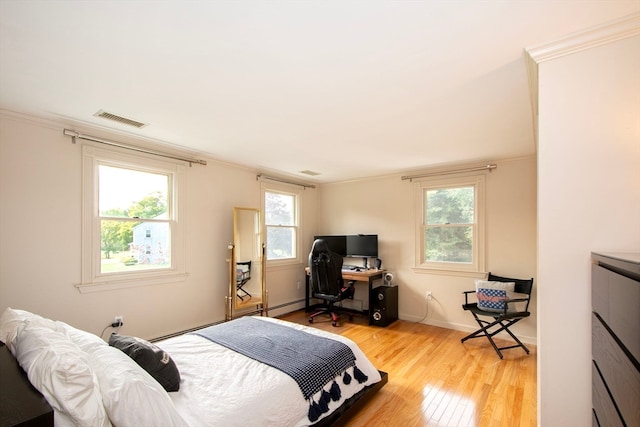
{"x": 83, "y": 339}
{"x": 131, "y": 396}
{"x": 491, "y": 295}
{"x": 61, "y": 372}
{"x": 10, "y": 320}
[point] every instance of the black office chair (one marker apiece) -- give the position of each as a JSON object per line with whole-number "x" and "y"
{"x": 243, "y": 275}
{"x": 326, "y": 279}
{"x": 505, "y": 311}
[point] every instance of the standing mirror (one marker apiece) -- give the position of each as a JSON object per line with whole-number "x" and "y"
{"x": 247, "y": 291}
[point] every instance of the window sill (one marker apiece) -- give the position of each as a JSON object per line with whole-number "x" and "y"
{"x": 423, "y": 270}
{"x": 116, "y": 284}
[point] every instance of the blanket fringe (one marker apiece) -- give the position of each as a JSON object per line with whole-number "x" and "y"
{"x": 359, "y": 375}
{"x": 316, "y": 409}
{"x": 335, "y": 392}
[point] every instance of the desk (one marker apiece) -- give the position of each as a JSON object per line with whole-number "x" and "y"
{"x": 368, "y": 276}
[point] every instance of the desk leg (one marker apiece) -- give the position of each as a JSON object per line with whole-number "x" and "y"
{"x": 306, "y": 293}
{"x": 369, "y": 310}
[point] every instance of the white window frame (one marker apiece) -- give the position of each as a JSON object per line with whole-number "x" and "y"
{"x": 297, "y": 193}
{"x": 477, "y": 266}
{"x": 92, "y": 278}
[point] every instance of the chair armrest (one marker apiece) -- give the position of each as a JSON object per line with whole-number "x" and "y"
{"x": 516, "y": 300}
{"x": 508, "y": 301}
{"x": 466, "y": 295}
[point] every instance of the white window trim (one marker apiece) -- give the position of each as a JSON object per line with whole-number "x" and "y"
{"x": 478, "y": 265}
{"x": 91, "y": 278}
{"x": 297, "y": 192}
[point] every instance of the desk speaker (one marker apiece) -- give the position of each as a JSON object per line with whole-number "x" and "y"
{"x": 384, "y": 310}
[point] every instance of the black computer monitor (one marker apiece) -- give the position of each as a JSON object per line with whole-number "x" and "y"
{"x": 362, "y": 245}
{"x": 337, "y": 244}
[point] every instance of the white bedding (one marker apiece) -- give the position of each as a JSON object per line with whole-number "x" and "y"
{"x": 220, "y": 387}
{"x": 89, "y": 383}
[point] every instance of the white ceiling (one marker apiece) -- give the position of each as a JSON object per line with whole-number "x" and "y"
{"x": 348, "y": 89}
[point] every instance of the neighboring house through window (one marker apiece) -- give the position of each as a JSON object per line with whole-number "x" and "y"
{"x": 131, "y": 229}
{"x": 450, "y": 226}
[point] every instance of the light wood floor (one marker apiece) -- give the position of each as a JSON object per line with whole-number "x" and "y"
{"x": 435, "y": 380}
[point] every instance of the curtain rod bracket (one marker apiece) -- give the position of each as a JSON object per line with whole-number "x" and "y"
{"x": 72, "y": 134}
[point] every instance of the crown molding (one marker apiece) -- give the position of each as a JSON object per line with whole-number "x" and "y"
{"x": 625, "y": 27}
{"x": 628, "y": 26}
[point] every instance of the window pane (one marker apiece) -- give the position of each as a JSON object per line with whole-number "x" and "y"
{"x": 127, "y": 193}
{"x": 449, "y": 244}
{"x": 279, "y": 209}
{"x": 131, "y": 245}
{"x": 280, "y": 242}
{"x": 450, "y": 206}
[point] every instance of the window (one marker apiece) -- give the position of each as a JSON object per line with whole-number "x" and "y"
{"x": 281, "y": 217}
{"x": 131, "y": 233}
{"x": 451, "y": 224}
{"x": 130, "y": 203}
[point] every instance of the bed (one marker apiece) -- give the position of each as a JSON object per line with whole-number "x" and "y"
{"x": 252, "y": 371}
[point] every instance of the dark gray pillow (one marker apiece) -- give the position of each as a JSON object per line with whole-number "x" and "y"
{"x": 151, "y": 358}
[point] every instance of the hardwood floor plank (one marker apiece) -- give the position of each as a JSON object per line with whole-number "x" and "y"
{"x": 435, "y": 380}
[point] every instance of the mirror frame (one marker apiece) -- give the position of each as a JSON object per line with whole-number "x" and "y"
{"x": 233, "y": 302}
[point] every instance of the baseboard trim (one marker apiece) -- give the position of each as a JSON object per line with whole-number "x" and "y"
{"x": 464, "y": 328}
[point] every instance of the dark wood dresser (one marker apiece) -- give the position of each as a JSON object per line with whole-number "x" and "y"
{"x": 20, "y": 403}
{"x": 615, "y": 291}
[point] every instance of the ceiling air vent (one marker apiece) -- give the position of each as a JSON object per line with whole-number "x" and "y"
{"x": 310, "y": 173}
{"x": 119, "y": 119}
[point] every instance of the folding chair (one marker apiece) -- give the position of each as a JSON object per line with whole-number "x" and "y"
{"x": 243, "y": 275}
{"x": 499, "y": 302}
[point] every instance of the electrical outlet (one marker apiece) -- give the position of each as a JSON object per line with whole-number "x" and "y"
{"x": 118, "y": 321}
{"x": 429, "y": 296}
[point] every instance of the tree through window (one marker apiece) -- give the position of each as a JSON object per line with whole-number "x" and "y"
{"x": 281, "y": 223}
{"x": 131, "y": 233}
{"x": 451, "y": 225}
{"x": 134, "y": 221}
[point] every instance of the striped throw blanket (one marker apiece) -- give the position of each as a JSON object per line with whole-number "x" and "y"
{"x": 314, "y": 362}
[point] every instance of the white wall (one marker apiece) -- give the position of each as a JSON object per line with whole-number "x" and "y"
{"x": 588, "y": 200}
{"x": 385, "y": 206}
{"x": 40, "y": 235}
{"x": 40, "y": 216}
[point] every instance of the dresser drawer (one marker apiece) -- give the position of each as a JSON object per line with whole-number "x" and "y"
{"x": 606, "y": 413}
{"x": 600, "y": 291}
{"x": 616, "y": 299}
{"x": 619, "y": 373}
{"x": 624, "y": 312}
